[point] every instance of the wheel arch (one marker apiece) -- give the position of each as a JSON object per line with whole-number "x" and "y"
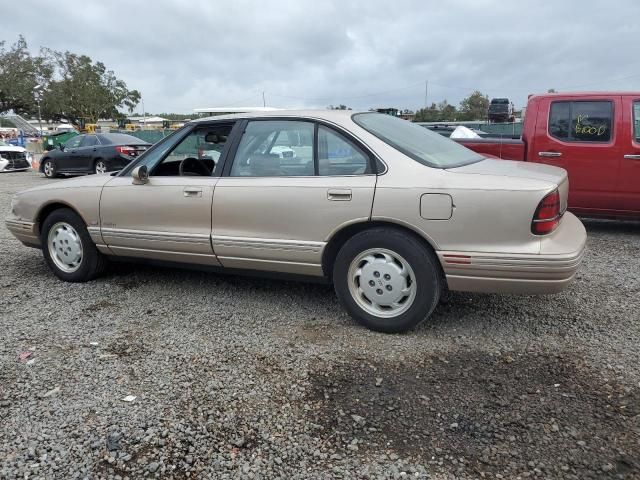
{"x": 41, "y": 166}
{"x": 340, "y": 237}
{"x": 51, "y": 207}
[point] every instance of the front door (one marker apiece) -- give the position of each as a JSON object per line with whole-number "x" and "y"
{"x": 629, "y": 178}
{"x": 168, "y": 218}
{"x": 581, "y": 137}
{"x": 85, "y": 153}
{"x": 290, "y": 185}
{"x": 70, "y": 158}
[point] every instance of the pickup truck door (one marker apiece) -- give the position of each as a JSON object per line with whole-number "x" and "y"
{"x": 585, "y": 138}
{"x": 629, "y": 178}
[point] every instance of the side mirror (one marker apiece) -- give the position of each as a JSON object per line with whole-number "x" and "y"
{"x": 140, "y": 175}
{"x": 61, "y": 146}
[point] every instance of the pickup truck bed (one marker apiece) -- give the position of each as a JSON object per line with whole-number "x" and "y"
{"x": 507, "y": 148}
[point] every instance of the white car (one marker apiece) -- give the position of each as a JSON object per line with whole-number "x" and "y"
{"x": 13, "y": 159}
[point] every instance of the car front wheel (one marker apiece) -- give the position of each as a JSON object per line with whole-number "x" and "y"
{"x": 387, "y": 280}
{"x": 49, "y": 168}
{"x": 68, "y": 249}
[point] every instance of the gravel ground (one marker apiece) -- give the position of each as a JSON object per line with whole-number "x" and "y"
{"x": 236, "y": 377}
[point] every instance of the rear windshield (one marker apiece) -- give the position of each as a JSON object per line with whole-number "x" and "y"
{"x": 119, "y": 139}
{"x": 419, "y": 143}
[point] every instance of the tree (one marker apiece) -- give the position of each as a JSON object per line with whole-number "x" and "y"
{"x": 442, "y": 112}
{"x": 83, "y": 91}
{"x": 339, "y": 107}
{"x": 474, "y": 107}
{"x": 551, "y": 90}
{"x": 20, "y": 73}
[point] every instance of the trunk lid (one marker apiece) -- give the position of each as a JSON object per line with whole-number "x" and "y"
{"x": 514, "y": 169}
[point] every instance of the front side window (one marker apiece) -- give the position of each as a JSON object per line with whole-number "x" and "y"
{"x": 89, "y": 141}
{"x": 581, "y": 121}
{"x": 338, "y": 156}
{"x": 636, "y": 121}
{"x": 74, "y": 142}
{"x": 416, "y": 142}
{"x": 197, "y": 154}
{"x": 275, "y": 148}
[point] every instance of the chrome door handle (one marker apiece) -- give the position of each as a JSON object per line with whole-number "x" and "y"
{"x": 632, "y": 157}
{"x": 192, "y": 192}
{"x": 338, "y": 194}
{"x": 549, "y": 154}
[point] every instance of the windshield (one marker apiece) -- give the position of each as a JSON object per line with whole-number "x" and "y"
{"x": 419, "y": 143}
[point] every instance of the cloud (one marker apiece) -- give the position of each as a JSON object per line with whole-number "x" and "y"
{"x": 185, "y": 55}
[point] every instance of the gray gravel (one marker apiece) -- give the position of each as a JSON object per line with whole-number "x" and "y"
{"x": 236, "y": 377}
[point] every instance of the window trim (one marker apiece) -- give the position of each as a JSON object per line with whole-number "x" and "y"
{"x": 374, "y": 161}
{"x": 572, "y": 140}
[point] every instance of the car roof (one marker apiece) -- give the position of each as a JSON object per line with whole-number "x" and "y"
{"x": 329, "y": 115}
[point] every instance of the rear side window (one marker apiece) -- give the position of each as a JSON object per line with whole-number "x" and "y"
{"x": 581, "y": 121}
{"x": 338, "y": 156}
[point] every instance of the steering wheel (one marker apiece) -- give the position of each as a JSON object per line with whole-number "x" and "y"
{"x": 184, "y": 169}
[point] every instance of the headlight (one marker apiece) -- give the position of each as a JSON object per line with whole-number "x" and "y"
{"x": 14, "y": 204}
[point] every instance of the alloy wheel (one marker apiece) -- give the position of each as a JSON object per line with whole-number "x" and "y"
{"x": 101, "y": 167}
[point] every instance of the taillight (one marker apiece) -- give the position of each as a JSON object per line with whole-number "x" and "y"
{"x": 547, "y": 216}
{"x": 124, "y": 150}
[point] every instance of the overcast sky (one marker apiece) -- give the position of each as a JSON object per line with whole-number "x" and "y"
{"x": 369, "y": 53}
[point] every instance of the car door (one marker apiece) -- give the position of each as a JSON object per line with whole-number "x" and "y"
{"x": 69, "y": 159}
{"x": 581, "y": 137}
{"x": 629, "y": 178}
{"x": 85, "y": 153}
{"x": 287, "y": 186}
{"x": 169, "y": 217}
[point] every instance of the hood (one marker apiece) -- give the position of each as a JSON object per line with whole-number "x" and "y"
{"x": 78, "y": 182}
{"x": 11, "y": 148}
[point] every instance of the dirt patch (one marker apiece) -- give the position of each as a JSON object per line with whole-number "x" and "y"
{"x": 478, "y": 414}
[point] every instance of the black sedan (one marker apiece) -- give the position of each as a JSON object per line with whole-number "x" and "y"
{"x": 92, "y": 153}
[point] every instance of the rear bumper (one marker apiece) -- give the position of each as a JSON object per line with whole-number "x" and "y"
{"x": 23, "y": 231}
{"x": 550, "y": 271}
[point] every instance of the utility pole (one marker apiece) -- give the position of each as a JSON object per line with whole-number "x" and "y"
{"x": 144, "y": 114}
{"x": 38, "y": 94}
{"x": 426, "y": 93}
{"x": 264, "y": 103}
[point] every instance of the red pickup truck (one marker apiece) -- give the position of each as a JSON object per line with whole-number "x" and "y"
{"x": 595, "y": 136}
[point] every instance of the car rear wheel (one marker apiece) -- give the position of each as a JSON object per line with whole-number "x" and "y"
{"x": 49, "y": 168}
{"x": 68, "y": 249}
{"x": 100, "y": 167}
{"x": 387, "y": 280}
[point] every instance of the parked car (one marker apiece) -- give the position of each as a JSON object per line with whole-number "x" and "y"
{"x": 594, "y": 136}
{"x": 92, "y": 153}
{"x": 13, "y": 159}
{"x": 500, "y": 110}
{"x": 401, "y": 216}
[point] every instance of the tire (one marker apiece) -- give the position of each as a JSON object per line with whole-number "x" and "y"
{"x": 71, "y": 237}
{"x": 100, "y": 167}
{"x": 49, "y": 168}
{"x": 368, "y": 266}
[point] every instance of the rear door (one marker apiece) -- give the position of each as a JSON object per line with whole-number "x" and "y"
{"x": 287, "y": 186}
{"x": 629, "y": 178}
{"x": 581, "y": 136}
